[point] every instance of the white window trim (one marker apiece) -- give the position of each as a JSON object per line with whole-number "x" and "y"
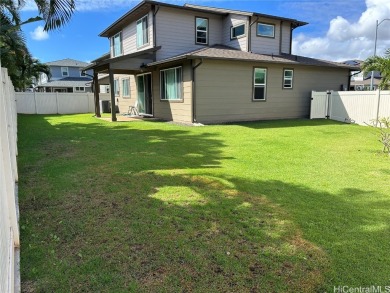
{"x": 288, "y": 78}
{"x": 147, "y": 34}
{"x": 113, "y": 45}
{"x": 180, "y": 88}
{"x": 265, "y": 24}
{"x": 264, "y": 85}
{"x": 67, "y": 70}
{"x": 78, "y": 90}
{"x": 240, "y": 36}
{"x": 128, "y": 88}
{"x": 196, "y": 31}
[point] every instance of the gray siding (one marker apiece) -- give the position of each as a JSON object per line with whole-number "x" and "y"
{"x": 265, "y": 45}
{"x": 129, "y": 37}
{"x": 286, "y": 37}
{"x": 234, "y": 20}
{"x": 224, "y": 91}
{"x": 125, "y": 102}
{"x": 176, "y": 31}
{"x": 174, "y": 110}
{"x": 73, "y": 72}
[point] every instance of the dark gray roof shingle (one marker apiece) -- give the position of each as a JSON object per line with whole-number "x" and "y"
{"x": 228, "y": 53}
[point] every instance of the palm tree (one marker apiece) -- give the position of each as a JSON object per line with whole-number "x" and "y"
{"x": 55, "y": 13}
{"x": 14, "y": 54}
{"x": 381, "y": 64}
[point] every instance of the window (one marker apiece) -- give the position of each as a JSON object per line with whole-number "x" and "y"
{"x": 126, "y": 87}
{"x": 82, "y": 74}
{"x": 64, "y": 71}
{"x": 266, "y": 30}
{"x": 142, "y": 31}
{"x": 116, "y": 87}
{"x": 117, "y": 45}
{"x": 79, "y": 89}
{"x": 202, "y": 28}
{"x": 259, "y": 84}
{"x": 237, "y": 31}
{"x": 288, "y": 78}
{"x": 171, "y": 84}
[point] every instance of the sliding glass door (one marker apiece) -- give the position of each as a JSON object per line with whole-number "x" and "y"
{"x": 144, "y": 94}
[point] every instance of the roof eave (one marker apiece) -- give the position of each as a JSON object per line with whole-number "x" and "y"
{"x": 189, "y": 57}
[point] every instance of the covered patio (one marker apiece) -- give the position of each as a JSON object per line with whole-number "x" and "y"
{"x": 129, "y": 64}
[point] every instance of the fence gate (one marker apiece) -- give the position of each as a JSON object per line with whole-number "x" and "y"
{"x": 319, "y": 105}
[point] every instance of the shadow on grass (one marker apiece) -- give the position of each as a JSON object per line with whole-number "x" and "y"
{"x": 111, "y": 208}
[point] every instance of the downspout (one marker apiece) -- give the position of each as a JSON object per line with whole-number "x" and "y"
{"x": 194, "y": 89}
{"x": 250, "y": 34}
{"x": 280, "y": 37}
{"x": 154, "y": 45}
{"x": 291, "y": 33}
{"x": 154, "y": 10}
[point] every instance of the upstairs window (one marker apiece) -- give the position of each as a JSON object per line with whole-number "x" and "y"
{"x": 259, "y": 84}
{"x": 237, "y": 31}
{"x": 142, "y": 31}
{"x": 117, "y": 45}
{"x": 266, "y": 30}
{"x": 288, "y": 76}
{"x": 64, "y": 71}
{"x": 82, "y": 73}
{"x": 202, "y": 30}
{"x": 171, "y": 84}
{"x": 126, "y": 88}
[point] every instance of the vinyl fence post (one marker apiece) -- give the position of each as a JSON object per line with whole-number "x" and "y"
{"x": 378, "y": 97}
{"x": 35, "y": 103}
{"x": 58, "y": 112}
{"x": 328, "y": 98}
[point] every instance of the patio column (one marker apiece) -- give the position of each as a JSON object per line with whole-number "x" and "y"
{"x": 96, "y": 95}
{"x": 112, "y": 90}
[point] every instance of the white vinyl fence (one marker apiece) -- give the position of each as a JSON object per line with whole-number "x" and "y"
{"x": 358, "y": 107}
{"x": 54, "y": 103}
{"x": 9, "y": 226}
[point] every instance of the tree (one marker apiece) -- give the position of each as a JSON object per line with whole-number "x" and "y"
{"x": 54, "y": 13}
{"x": 14, "y": 54}
{"x": 381, "y": 64}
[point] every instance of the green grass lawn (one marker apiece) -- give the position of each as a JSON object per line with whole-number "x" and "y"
{"x": 279, "y": 206}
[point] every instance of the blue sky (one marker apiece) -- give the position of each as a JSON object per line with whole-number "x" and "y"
{"x": 337, "y": 30}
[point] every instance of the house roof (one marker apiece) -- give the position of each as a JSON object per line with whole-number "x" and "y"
{"x": 297, "y": 23}
{"x": 144, "y": 6}
{"x": 221, "y": 52}
{"x": 66, "y": 83}
{"x": 105, "y": 59}
{"x": 68, "y": 62}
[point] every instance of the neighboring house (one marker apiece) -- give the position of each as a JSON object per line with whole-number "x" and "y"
{"x": 66, "y": 77}
{"x": 361, "y": 82}
{"x": 201, "y": 64}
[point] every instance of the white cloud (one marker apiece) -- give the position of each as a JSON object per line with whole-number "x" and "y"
{"x": 39, "y": 34}
{"x": 349, "y": 40}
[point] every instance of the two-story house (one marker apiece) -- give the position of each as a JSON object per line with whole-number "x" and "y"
{"x": 201, "y": 64}
{"x": 66, "y": 77}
